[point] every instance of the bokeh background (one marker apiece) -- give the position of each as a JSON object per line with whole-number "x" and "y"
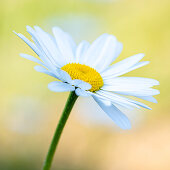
{"x": 29, "y": 112}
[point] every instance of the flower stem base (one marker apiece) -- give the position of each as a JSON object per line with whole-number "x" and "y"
{"x": 66, "y": 112}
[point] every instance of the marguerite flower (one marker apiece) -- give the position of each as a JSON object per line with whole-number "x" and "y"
{"x": 87, "y": 70}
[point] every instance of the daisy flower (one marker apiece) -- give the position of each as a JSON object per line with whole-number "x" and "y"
{"x": 86, "y": 69}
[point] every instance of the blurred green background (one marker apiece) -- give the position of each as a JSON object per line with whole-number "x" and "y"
{"x": 29, "y": 112}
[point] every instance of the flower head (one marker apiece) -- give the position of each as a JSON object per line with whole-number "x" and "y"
{"x": 87, "y": 70}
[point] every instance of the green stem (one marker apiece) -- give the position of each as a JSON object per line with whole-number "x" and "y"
{"x": 66, "y": 112}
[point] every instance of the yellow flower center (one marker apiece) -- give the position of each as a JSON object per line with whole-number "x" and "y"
{"x": 85, "y": 73}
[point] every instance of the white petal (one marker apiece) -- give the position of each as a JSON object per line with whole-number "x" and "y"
{"x": 65, "y": 43}
{"x": 128, "y": 83}
{"x": 57, "y": 86}
{"x": 106, "y": 54}
{"x": 63, "y": 75}
{"x": 123, "y": 88}
{"x": 115, "y": 114}
{"x": 140, "y": 104}
{"x": 72, "y": 42}
{"x": 43, "y": 70}
{"x": 51, "y": 46}
{"x": 29, "y": 43}
{"x": 102, "y": 52}
{"x": 29, "y": 57}
{"x": 122, "y": 66}
{"x": 148, "y": 98}
{"x": 81, "y": 51}
{"x": 116, "y": 101}
{"x": 141, "y": 92}
{"x": 94, "y": 48}
{"x": 80, "y": 92}
{"x": 138, "y": 65}
{"x": 81, "y": 84}
{"x": 119, "y": 48}
{"x": 131, "y": 81}
{"x": 114, "y": 97}
{"x": 45, "y": 54}
{"x": 125, "y": 106}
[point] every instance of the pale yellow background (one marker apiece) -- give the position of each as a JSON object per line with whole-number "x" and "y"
{"x": 29, "y": 111}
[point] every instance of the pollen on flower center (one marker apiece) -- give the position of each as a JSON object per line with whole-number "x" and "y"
{"x": 85, "y": 73}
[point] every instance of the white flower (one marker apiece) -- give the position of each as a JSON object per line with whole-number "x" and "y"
{"x": 87, "y": 70}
